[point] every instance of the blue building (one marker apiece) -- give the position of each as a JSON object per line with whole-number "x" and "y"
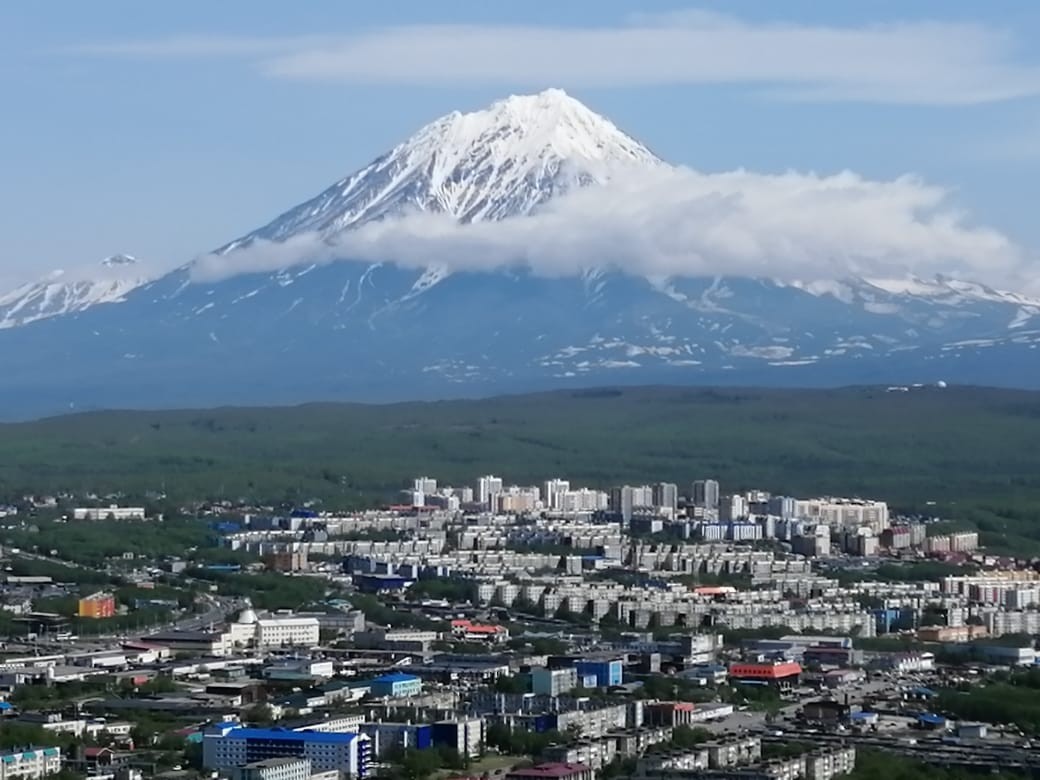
{"x": 893, "y": 619}
{"x": 382, "y": 583}
{"x": 228, "y": 745}
{"x": 607, "y": 673}
{"x": 389, "y": 736}
{"x": 396, "y": 685}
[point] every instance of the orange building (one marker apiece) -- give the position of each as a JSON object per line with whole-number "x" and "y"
{"x": 780, "y": 673}
{"x": 97, "y": 605}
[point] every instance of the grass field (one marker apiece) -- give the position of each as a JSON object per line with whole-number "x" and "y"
{"x": 962, "y": 447}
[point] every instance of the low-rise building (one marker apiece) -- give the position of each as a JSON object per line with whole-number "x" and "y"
{"x": 273, "y": 769}
{"x": 111, "y": 512}
{"x": 781, "y": 674}
{"x": 30, "y": 764}
{"x": 463, "y": 735}
{"x": 734, "y": 752}
{"x": 396, "y": 685}
{"x": 226, "y": 746}
{"x": 553, "y": 682}
{"x": 605, "y": 673}
{"x": 553, "y": 771}
{"x": 468, "y": 631}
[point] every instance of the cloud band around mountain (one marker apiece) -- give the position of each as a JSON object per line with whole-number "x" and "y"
{"x": 679, "y": 222}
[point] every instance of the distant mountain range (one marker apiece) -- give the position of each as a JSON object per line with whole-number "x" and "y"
{"x": 61, "y": 293}
{"x": 342, "y": 328}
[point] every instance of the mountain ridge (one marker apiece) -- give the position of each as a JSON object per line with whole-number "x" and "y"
{"x": 339, "y": 327}
{"x": 60, "y": 293}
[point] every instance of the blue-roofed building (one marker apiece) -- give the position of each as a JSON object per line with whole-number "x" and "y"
{"x": 929, "y": 720}
{"x": 863, "y": 719}
{"x": 228, "y": 745}
{"x": 396, "y": 685}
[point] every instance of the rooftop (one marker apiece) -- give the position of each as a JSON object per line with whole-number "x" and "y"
{"x": 326, "y": 737}
{"x": 184, "y": 636}
{"x": 274, "y": 762}
{"x": 549, "y": 770}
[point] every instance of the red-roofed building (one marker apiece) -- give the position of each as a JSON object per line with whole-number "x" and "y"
{"x": 714, "y": 590}
{"x": 469, "y": 631}
{"x": 781, "y": 674}
{"x": 552, "y": 772}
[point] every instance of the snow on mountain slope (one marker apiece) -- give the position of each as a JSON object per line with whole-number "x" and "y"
{"x": 932, "y": 302}
{"x": 62, "y": 293}
{"x": 499, "y": 162}
{"x": 302, "y": 328}
{"x": 952, "y": 290}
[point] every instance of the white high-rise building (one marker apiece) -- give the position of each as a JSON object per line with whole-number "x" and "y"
{"x": 516, "y": 499}
{"x": 463, "y": 494}
{"x": 705, "y": 493}
{"x": 487, "y": 488}
{"x": 554, "y": 489}
{"x": 625, "y": 499}
{"x": 425, "y": 485}
{"x": 666, "y": 498}
{"x": 845, "y": 513}
{"x": 583, "y": 500}
{"x": 732, "y": 508}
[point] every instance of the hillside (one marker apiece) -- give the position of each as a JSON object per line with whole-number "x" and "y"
{"x": 975, "y": 446}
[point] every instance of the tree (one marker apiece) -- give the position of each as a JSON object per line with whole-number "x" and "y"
{"x": 520, "y": 683}
{"x": 412, "y": 764}
{"x": 548, "y": 646}
{"x": 258, "y": 715}
{"x": 688, "y": 737}
{"x": 573, "y": 732}
{"x": 526, "y": 606}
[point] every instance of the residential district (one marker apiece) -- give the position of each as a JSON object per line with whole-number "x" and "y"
{"x": 515, "y": 632}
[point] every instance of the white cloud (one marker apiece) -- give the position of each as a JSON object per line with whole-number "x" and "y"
{"x": 679, "y": 222}
{"x": 923, "y": 62}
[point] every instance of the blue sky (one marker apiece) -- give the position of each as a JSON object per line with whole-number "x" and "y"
{"x": 164, "y": 130}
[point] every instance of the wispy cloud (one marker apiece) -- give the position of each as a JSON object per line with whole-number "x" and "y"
{"x": 936, "y": 63}
{"x": 679, "y": 222}
{"x": 1014, "y": 144}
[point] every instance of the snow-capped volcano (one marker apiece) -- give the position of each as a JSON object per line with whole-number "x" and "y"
{"x": 298, "y": 328}
{"x": 62, "y": 292}
{"x": 502, "y": 161}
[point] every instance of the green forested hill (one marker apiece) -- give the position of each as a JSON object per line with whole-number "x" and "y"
{"x": 975, "y": 447}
